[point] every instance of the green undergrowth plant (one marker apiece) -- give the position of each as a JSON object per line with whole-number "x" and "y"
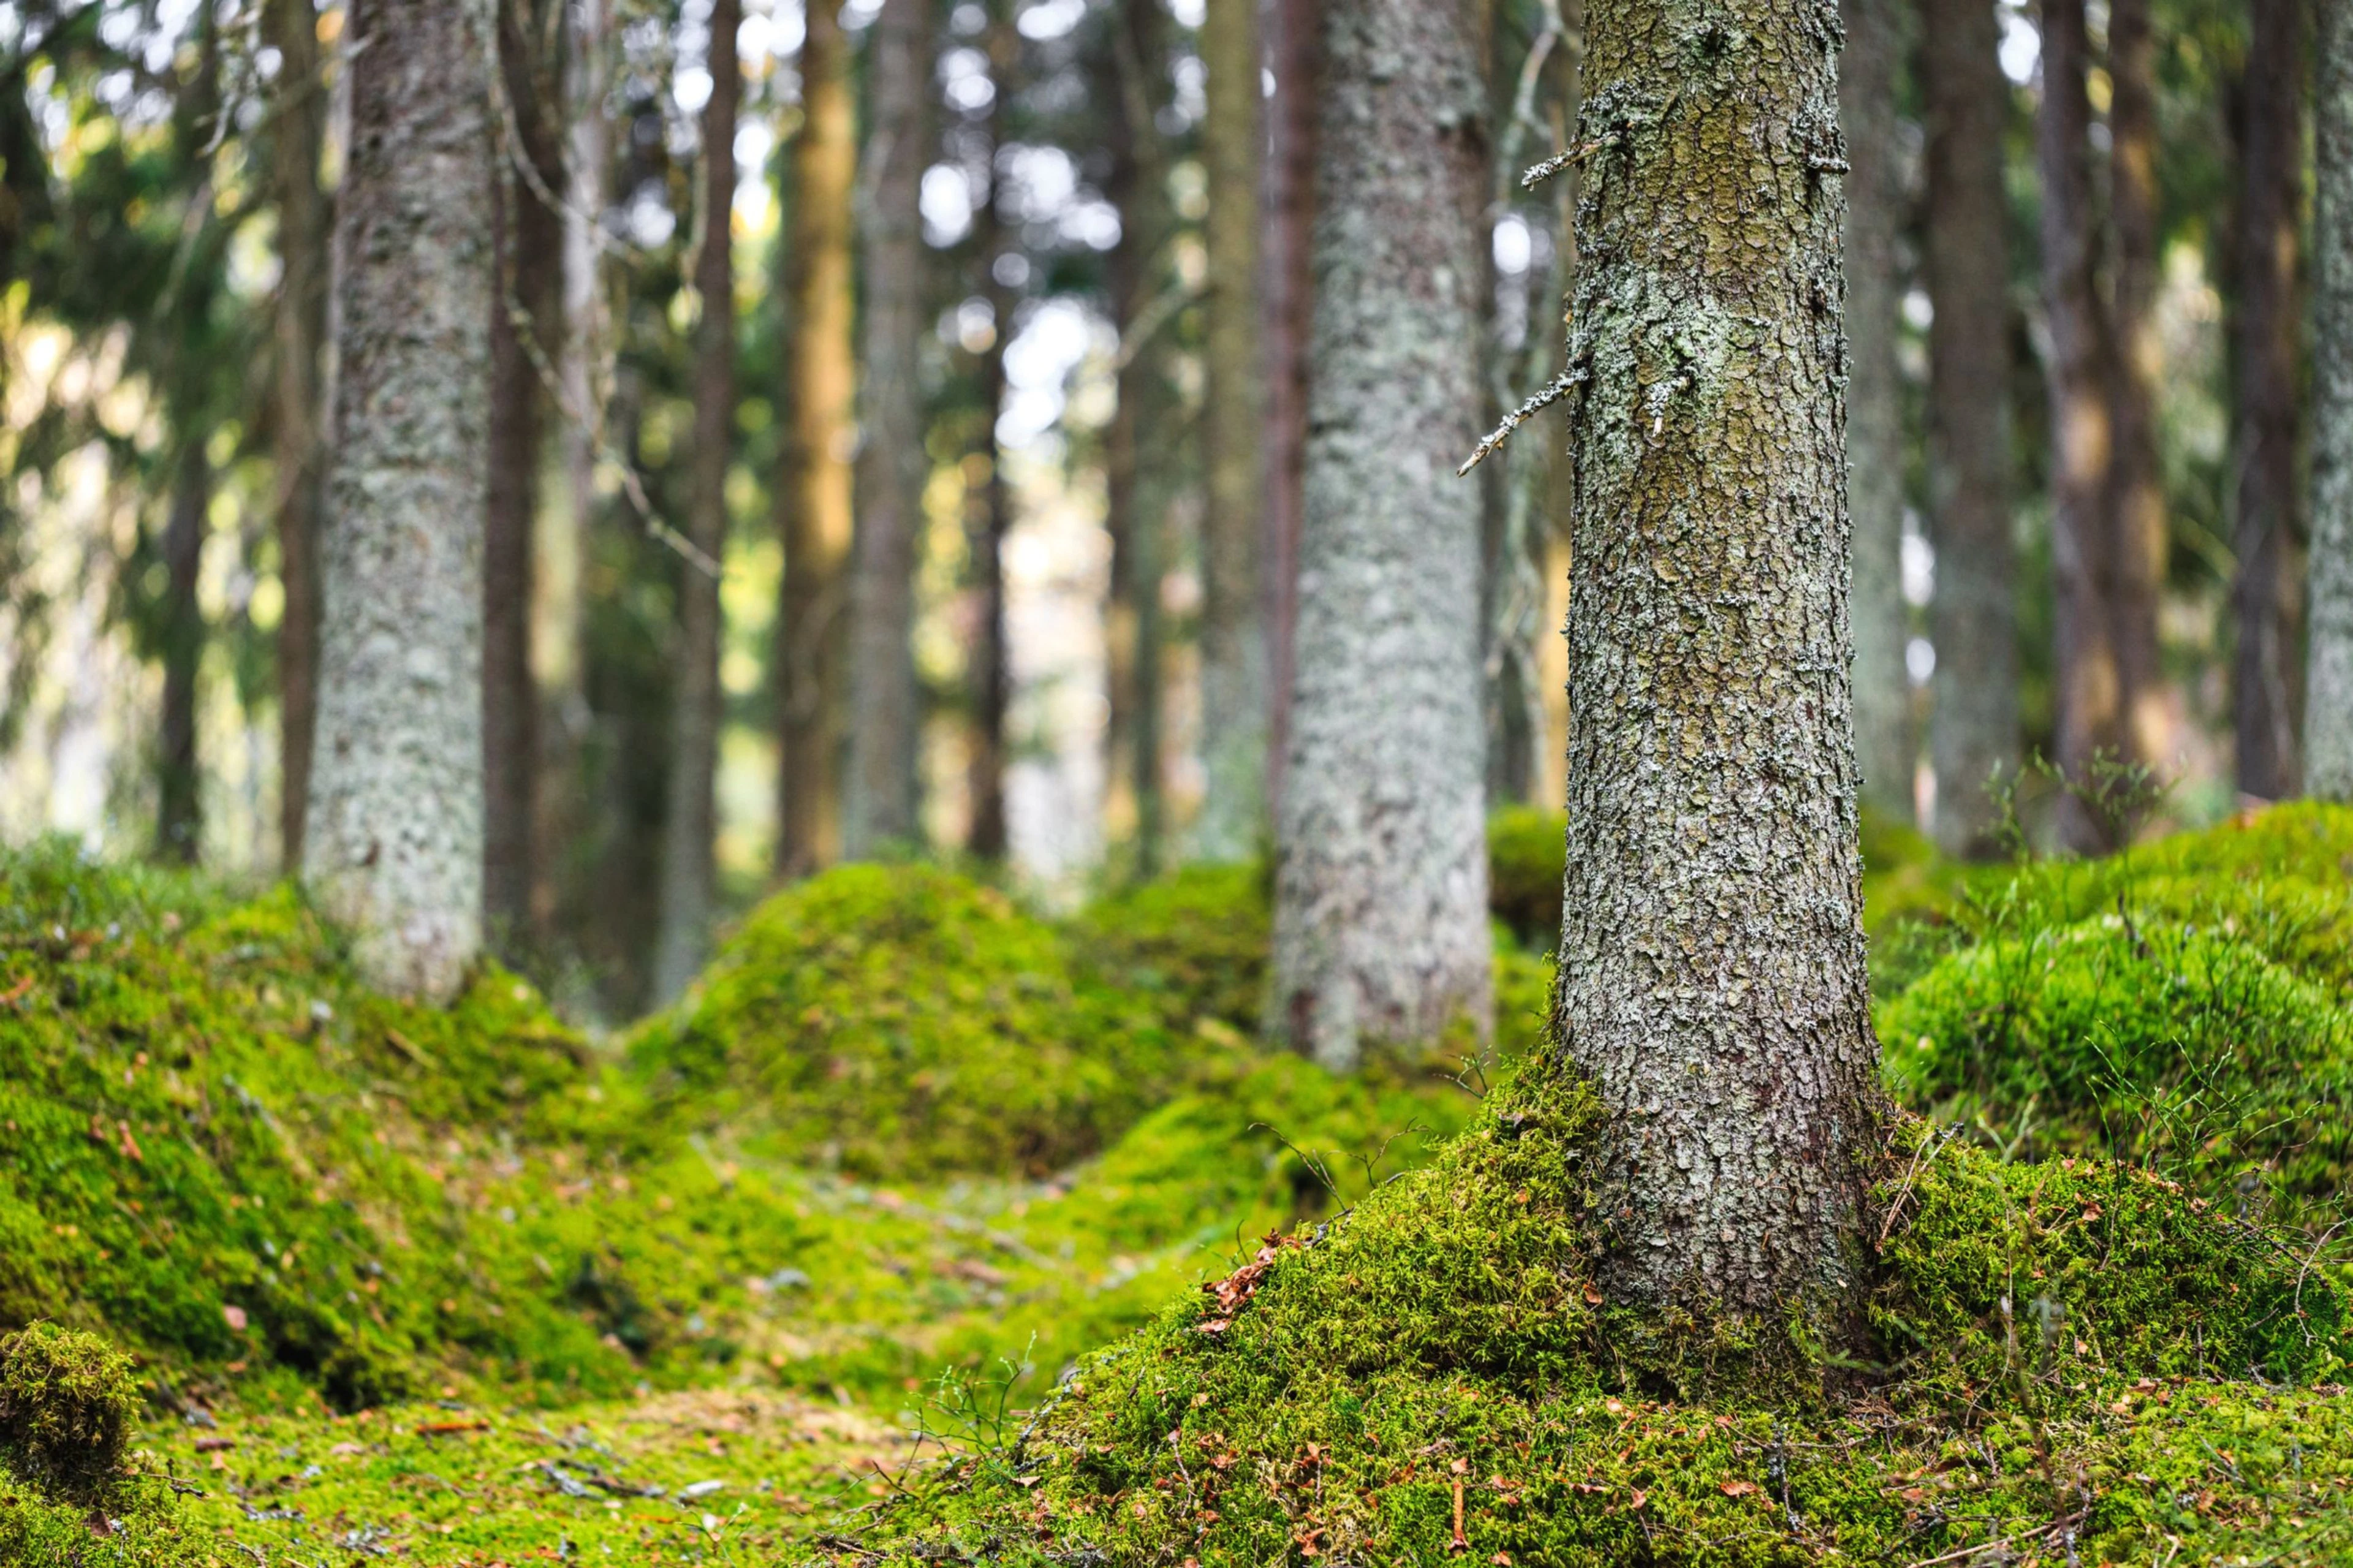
{"x": 2069, "y": 1359}
{"x": 70, "y": 1492}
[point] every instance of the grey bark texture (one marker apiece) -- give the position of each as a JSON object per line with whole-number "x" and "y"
{"x": 1884, "y": 738}
{"x": 693, "y": 823}
{"x": 299, "y": 328}
{"x": 2329, "y": 682}
{"x": 1712, "y": 984}
{"x": 1234, "y": 714}
{"x": 1286, "y": 247}
{"x": 1974, "y": 619}
{"x": 1380, "y": 926}
{"x": 879, "y": 808}
{"x": 394, "y": 846}
{"x": 2263, "y": 596}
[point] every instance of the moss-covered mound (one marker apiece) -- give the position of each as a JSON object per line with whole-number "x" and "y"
{"x": 901, "y": 1021}
{"x": 2074, "y": 1359}
{"x": 1195, "y": 943}
{"x": 67, "y": 1493}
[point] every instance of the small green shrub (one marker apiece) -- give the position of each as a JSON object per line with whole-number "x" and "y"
{"x": 67, "y": 1402}
{"x": 1526, "y": 850}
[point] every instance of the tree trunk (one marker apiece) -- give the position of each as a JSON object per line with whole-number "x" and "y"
{"x": 992, "y": 654}
{"x": 2091, "y": 711}
{"x": 813, "y": 492}
{"x": 1233, "y": 642}
{"x": 1287, "y": 283}
{"x": 2263, "y": 595}
{"x": 394, "y": 848}
{"x": 2138, "y": 532}
{"x": 2329, "y": 690}
{"x": 885, "y": 716}
{"x": 1380, "y": 926}
{"x": 300, "y": 328}
{"x": 179, "y": 817}
{"x": 530, "y": 239}
{"x": 1875, "y": 445}
{"x": 1974, "y": 735}
{"x": 1712, "y": 981}
{"x": 692, "y": 820}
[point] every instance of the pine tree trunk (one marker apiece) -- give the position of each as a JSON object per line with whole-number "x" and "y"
{"x": 1874, "y": 444}
{"x": 1286, "y": 246}
{"x": 1233, "y": 643}
{"x": 179, "y": 816}
{"x": 692, "y": 820}
{"x": 1974, "y": 736}
{"x": 2263, "y": 596}
{"x": 813, "y": 492}
{"x": 2091, "y": 712}
{"x": 2138, "y": 530}
{"x": 885, "y": 716}
{"x": 1712, "y": 981}
{"x": 299, "y": 328}
{"x": 1380, "y": 928}
{"x": 529, "y": 237}
{"x": 2329, "y": 690}
{"x": 992, "y": 654}
{"x": 394, "y": 846}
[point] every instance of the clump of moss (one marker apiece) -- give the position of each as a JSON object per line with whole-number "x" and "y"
{"x": 1528, "y": 848}
{"x": 1195, "y": 943}
{"x": 67, "y": 1402}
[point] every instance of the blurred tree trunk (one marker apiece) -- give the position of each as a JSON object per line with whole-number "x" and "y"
{"x": 179, "y": 818}
{"x": 530, "y": 241}
{"x": 1974, "y": 625}
{"x": 813, "y": 491}
{"x": 1874, "y": 432}
{"x": 2328, "y": 692}
{"x": 2263, "y": 596}
{"x": 1711, "y": 987}
{"x": 2091, "y": 711}
{"x": 394, "y": 845}
{"x": 1380, "y": 926}
{"x": 692, "y": 821}
{"x": 1234, "y": 712}
{"x": 299, "y": 328}
{"x": 1136, "y": 274}
{"x": 2139, "y": 538}
{"x": 885, "y": 716}
{"x": 1286, "y": 301}
{"x": 992, "y": 668}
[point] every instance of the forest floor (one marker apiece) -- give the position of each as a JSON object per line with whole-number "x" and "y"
{"x": 460, "y": 1287}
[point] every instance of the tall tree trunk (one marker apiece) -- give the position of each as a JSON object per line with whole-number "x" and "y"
{"x": 1287, "y": 298}
{"x": 885, "y": 714}
{"x": 813, "y": 492}
{"x": 2263, "y": 596}
{"x": 2328, "y": 687}
{"x": 1381, "y": 875}
{"x": 2138, "y": 535}
{"x": 530, "y": 238}
{"x": 299, "y": 328}
{"x": 2091, "y": 714}
{"x": 1234, "y": 711}
{"x": 179, "y": 817}
{"x": 1874, "y": 439}
{"x": 394, "y": 848}
{"x": 693, "y": 822}
{"x": 1712, "y": 981}
{"x": 992, "y": 654}
{"x": 1974, "y": 735}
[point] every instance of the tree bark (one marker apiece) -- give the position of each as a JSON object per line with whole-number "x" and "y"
{"x": 1974, "y": 619}
{"x": 1712, "y": 980}
{"x": 2263, "y": 593}
{"x": 299, "y": 325}
{"x": 2328, "y": 686}
{"x": 813, "y": 492}
{"x": 530, "y": 242}
{"x": 992, "y": 654}
{"x": 1286, "y": 245}
{"x": 1883, "y": 736}
{"x": 2139, "y": 539}
{"x": 394, "y": 848}
{"x": 692, "y": 820}
{"x": 885, "y": 719}
{"x": 1234, "y": 712}
{"x": 179, "y": 817}
{"x": 1380, "y": 928}
{"x": 2091, "y": 697}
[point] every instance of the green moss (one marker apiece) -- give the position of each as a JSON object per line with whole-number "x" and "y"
{"x": 1195, "y": 942}
{"x": 1526, "y": 851}
{"x": 66, "y": 1405}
